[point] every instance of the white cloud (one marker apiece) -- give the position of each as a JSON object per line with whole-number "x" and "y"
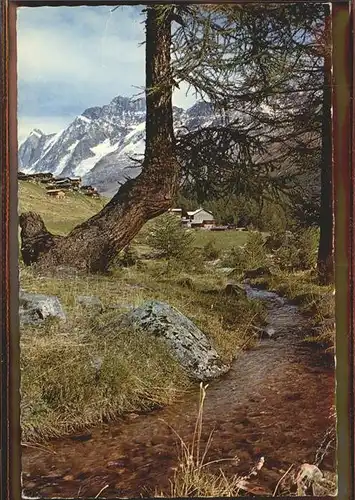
{"x": 56, "y": 50}
{"x": 72, "y": 58}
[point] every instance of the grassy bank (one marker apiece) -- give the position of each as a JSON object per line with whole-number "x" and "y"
{"x": 61, "y": 388}
{"x": 316, "y": 301}
{"x": 60, "y": 216}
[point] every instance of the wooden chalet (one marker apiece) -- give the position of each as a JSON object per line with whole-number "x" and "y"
{"x": 39, "y": 177}
{"x": 91, "y": 191}
{"x": 56, "y": 193}
{"x": 68, "y": 183}
{"x": 57, "y": 185}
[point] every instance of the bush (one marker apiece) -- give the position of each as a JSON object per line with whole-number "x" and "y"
{"x": 128, "y": 257}
{"x": 235, "y": 258}
{"x": 252, "y": 255}
{"x": 275, "y": 240}
{"x": 210, "y": 251}
{"x": 299, "y": 252}
{"x": 307, "y": 242}
{"x": 255, "y": 250}
{"x": 273, "y": 218}
{"x": 170, "y": 240}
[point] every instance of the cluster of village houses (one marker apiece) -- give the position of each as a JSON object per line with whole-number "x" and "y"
{"x": 57, "y": 187}
{"x": 202, "y": 219}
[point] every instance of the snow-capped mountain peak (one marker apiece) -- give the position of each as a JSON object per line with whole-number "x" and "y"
{"x": 101, "y": 143}
{"x": 37, "y": 132}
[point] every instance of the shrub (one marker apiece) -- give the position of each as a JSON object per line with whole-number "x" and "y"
{"x": 299, "y": 252}
{"x": 235, "y": 258}
{"x": 128, "y": 257}
{"x": 252, "y": 255}
{"x": 210, "y": 251}
{"x": 169, "y": 239}
{"x": 275, "y": 240}
{"x": 255, "y": 250}
{"x": 307, "y": 242}
{"x": 273, "y": 218}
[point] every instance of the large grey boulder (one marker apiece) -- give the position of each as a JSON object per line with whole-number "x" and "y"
{"x": 35, "y": 308}
{"x": 188, "y": 344}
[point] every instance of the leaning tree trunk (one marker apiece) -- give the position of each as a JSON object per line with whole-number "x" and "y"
{"x": 325, "y": 264}
{"x": 93, "y": 244}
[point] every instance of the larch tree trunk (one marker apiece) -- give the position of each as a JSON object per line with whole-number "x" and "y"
{"x": 325, "y": 263}
{"x": 92, "y": 245}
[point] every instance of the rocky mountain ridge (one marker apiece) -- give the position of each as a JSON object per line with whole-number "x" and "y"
{"x": 101, "y": 144}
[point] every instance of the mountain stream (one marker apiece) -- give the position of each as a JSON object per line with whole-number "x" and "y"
{"x": 274, "y": 402}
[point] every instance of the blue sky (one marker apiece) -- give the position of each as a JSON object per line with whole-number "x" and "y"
{"x": 71, "y": 58}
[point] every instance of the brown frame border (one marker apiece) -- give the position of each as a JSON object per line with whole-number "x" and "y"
{"x": 343, "y": 123}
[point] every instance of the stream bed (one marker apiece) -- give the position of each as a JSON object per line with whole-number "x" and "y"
{"x": 274, "y": 402}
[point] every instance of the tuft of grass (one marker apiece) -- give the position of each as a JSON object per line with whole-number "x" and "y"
{"x": 299, "y": 286}
{"x": 193, "y": 476}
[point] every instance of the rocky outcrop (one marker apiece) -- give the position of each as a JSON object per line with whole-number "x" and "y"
{"x": 265, "y": 333}
{"x": 35, "y": 308}
{"x": 188, "y": 344}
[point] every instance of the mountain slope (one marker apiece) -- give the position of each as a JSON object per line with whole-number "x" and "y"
{"x": 60, "y": 216}
{"x": 101, "y": 144}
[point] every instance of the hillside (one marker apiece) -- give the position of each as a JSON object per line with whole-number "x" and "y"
{"x": 60, "y": 216}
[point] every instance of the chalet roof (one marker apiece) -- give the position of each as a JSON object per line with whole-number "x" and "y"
{"x": 41, "y": 174}
{"x": 61, "y": 179}
{"x": 199, "y": 210}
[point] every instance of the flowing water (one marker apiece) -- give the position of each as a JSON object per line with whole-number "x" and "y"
{"x": 274, "y": 402}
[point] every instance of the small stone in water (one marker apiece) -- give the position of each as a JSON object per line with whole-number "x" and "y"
{"x": 116, "y": 463}
{"x": 68, "y": 477}
{"x": 31, "y": 484}
{"x": 270, "y": 331}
